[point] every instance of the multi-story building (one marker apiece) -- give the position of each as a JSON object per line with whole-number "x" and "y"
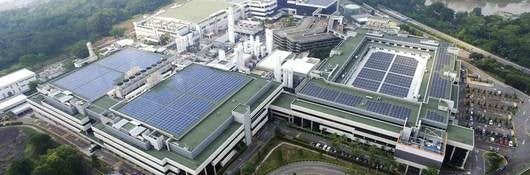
{"x": 311, "y": 33}
{"x": 164, "y": 118}
{"x": 16, "y": 83}
{"x": 396, "y": 93}
{"x": 192, "y": 19}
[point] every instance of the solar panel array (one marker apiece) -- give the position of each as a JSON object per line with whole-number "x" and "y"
{"x": 439, "y": 86}
{"x": 435, "y": 116}
{"x": 184, "y": 99}
{"x": 396, "y": 82}
{"x": 379, "y": 60}
{"x": 387, "y": 109}
{"x": 382, "y": 108}
{"x": 366, "y": 84}
{"x": 331, "y": 95}
{"x": 95, "y": 80}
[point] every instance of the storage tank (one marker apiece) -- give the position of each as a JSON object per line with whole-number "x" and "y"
{"x": 352, "y": 9}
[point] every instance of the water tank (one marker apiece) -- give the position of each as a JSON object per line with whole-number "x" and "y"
{"x": 352, "y": 9}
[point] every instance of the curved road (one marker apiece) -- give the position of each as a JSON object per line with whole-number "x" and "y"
{"x": 309, "y": 167}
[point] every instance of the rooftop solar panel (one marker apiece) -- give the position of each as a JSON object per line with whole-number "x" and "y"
{"x": 95, "y": 80}
{"x": 371, "y": 74}
{"x": 389, "y": 110}
{"x": 403, "y": 70}
{"x": 348, "y": 100}
{"x": 435, "y": 116}
{"x": 185, "y": 99}
{"x": 366, "y": 84}
{"x": 407, "y": 61}
{"x": 394, "y": 90}
{"x": 398, "y": 80}
{"x": 439, "y": 86}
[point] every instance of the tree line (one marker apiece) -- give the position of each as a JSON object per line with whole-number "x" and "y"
{"x": 33, "y": 35}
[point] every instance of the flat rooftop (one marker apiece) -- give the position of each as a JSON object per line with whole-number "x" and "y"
{"x": 182, "y": 101}
{"x": 194, "y": 102}
{"x": 392, "y": 109}
{"x": 460, "y": 134}
{"x": 15, "y": 77}
{"x": 195, "y": 11}
{"x": 95, "y": 80}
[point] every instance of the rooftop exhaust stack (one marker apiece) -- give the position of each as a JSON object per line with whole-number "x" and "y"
{"x": 268, "y": 40}
{"x": 231, "y": 34}
{"x": 222, "y": 55}
{"x": 238, "y": 55}
{"x": 278, "y": 69}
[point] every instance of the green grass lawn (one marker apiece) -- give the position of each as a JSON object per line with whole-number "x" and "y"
{"x": 286, "y": 154}
{"x": 494, "y": 161}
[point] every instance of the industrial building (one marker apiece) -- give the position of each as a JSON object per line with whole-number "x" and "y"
{"x": 311, "y": 33}
{"x": 16, "y": 83}
{"x": 162, "y": 116}
{"x": 188, "y": 21}
{"x": 393, "y": 92}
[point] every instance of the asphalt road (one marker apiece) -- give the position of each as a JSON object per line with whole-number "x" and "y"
{"x": 309, "y": 167}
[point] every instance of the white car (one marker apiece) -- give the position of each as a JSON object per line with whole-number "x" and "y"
{"x": 510, "y": 143}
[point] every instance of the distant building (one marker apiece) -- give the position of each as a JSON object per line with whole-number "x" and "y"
{"x": 311, "y": 33}
{"x": 309, "y": 7}
{"x": 16, "y": 83}
{"x": 196, "y": 17}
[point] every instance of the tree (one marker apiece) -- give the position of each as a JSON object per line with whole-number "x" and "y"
{"x": 165, "y": 39}
{"x": 38, "y": 144}
{"x": 20, "y": 167}
{"x": 248, "y": 168}
{"x": 33, "y": 86}
{"x": 430, "y": 171}
{"x": 63, "y": 160}
{"x": 32, "y": 59}
{"x": 79, "y": 49}
{"x": 95, "y": 162}
{"x": 476, "y": 56}
{"x": 117, "y": 32}
{"x": 477, "y": 11}
{"x": 278, "y": 155}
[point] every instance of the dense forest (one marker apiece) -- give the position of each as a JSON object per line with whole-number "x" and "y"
{"x": 32, "y": 35}
{"x": 505, "y": 37}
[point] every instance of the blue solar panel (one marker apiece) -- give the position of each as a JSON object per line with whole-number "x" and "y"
{"x": 371, "y": 74}
{"x": 403, "y": 69}
{"x": 348, "y": 100}
{"x": 184, "y": 99}
{"x": 394, "y": 90}
{"x": 439, "y": 86}
{"x": 95, "y": 80}
{"x": 407, "y": 61}
{"x": 398, "y": 80}
{"x": 375, "y": 64}
{"x": 330, "y": 95}
{"x": 311, "y": 90}
{"x": 399, "y": 112}
{"x": 366, "y": 84}
{"x": 387, "y": 109}
{"x": 435, "y": 116}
